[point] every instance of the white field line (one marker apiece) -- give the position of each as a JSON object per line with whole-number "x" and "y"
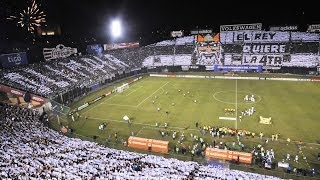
{"x": 93, "y": 106}
{"x": 152, "y": 94}
{"x": 134, "y": 90}
{"x": 112, "y": 104}
{"x": 140, "y": 131}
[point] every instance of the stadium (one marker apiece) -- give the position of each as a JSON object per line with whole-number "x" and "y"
{"x": 241, "y": 103}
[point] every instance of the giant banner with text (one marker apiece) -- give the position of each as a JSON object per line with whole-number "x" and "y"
{"x": 270, "y": 48}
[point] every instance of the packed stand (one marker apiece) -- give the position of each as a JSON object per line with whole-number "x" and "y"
{"x": 54, "y": 77}
{"x": 181, "y": 48}
{"x": 30, "y": 150}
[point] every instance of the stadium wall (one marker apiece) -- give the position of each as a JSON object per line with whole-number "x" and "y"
{"x": 18, "y": 97}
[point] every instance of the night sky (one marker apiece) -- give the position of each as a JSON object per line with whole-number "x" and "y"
{"x": 84, "y": 18}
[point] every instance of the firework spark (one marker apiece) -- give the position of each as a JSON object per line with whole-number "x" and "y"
{"x": 30, "y": 18}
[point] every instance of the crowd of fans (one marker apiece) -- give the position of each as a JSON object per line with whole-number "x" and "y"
{"x": 54, "y": 77}
{"x": 58, "y": 76}
{"x": 31, "y": 150}
{"x": 138, "y": 57}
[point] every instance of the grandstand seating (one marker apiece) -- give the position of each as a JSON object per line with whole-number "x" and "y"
{"x": 55, "y": 77}
{"x": 29, "y": 150}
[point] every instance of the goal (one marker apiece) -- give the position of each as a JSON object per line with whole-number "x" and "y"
{"x": 121, "y": 88}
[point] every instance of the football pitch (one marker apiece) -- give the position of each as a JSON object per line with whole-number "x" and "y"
{"x": 293, "y": 108}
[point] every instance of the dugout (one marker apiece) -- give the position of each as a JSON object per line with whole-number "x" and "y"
{"x": 148, "y": 144}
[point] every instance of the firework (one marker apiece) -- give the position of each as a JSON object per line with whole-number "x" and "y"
{"x": 30, "y": 18}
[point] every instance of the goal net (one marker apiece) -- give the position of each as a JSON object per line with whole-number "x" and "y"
{"x": 121, "y": 88}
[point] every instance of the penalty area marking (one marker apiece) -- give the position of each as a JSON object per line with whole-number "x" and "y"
{"x": 136, "y": 106}
{"x": 94, "y": 106}
{"x": 140, "y": 130}
{"x": 152, "y": 94}
{"x": 134, "y": 90}
{"x": 217, "y": 99}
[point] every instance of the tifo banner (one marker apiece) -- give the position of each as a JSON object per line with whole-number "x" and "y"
{"x": 121, "y": 46}
{"x": 241, "y": 27}
{"x": 304, "y": 37}
{"x": 228, "y": 155}
{"x": 14, "y": 59}
{"x": 258, "y": 48}
{"x": 239, "y": 37}
{"x": 148, "y": 144}
{"x": 260, "y": 36}
{"x": 270, "y": 48}
{"x": 167, "y": 60}
{"x": 265, "y": 60}
{"x": 60, "y": 51}
{"x": 35, "y": 100}
{"x": 249, "y": 48}
{"x": 94, "y": 49}
{"x": 207, "y": 50}
{"x": 272, "y": 60}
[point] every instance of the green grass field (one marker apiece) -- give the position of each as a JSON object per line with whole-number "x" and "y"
{"x": 293, "y": 106}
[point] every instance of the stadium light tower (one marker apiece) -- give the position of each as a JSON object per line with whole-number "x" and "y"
{"x": 116, "y": 28}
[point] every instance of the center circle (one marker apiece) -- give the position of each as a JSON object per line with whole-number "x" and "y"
{"x": 229, "y": 97}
